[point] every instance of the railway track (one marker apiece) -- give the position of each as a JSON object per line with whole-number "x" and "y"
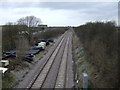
{"x": 56, "y": 67}
{"x": 55, "y": 71}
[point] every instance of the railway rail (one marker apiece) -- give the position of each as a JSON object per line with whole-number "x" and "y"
{"x": 55, "y": 68}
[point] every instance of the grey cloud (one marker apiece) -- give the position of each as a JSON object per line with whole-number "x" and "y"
{"x": 89, "y": 10}
{"x": 56, "y": 5}
{"x": 95, "y": 8}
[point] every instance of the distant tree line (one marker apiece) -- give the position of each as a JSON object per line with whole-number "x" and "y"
{"x": 11, "y": 32}
{"x": 100, "y": 42}
{"x": 51, "y": 33}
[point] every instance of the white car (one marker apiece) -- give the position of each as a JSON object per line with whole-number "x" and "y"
{"x": 3, "y": 70}
{"x": 4, "y": 63}
{"x": 42, "y": 44}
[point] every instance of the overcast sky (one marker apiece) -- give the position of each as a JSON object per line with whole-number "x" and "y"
{"x": 60, "y": 13}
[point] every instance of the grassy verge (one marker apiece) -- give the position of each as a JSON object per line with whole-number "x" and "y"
{"x": 8, "y": 81}
{"x": 38, "y": 56}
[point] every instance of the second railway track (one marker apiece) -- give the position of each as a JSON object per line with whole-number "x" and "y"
{"x": 54, "y": 71}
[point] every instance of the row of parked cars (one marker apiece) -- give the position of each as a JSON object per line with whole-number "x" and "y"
{"x": 4, "y": 63}
{"x": 3, "y": 66}
{"x": 38, "y": 47}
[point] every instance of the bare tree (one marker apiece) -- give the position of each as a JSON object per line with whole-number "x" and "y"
{"x": 9, "y": 23}
{"x": 22, "y": 46}
{"x": 30, "y": 22}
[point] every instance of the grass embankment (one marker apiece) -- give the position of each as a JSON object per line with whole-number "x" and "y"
{"x": 99, "y": 42}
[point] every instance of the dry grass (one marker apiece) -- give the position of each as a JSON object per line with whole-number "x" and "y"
{"x": 38, "y": 56}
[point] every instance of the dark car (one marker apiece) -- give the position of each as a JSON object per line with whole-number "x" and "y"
{"x": 29, "y": 55}
{"x": 36, "y": 44}
{"x": 42, "y": 41}
{"x": 34, "y": 52}
{"x": 28, "y": 59}
{"x": 5, "y": 56}
{"x": 8, "y": 54}
{"x": 51, "y": 41}
{"x": 36, "y": 48}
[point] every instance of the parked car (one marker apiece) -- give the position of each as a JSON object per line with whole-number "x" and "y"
{"x": 5, "y": 56}
{"x": 42, "y": 44}
{"x": 3, "y": 70}
{"x": 42, "y": 41}
{"x": 36, "y": 48}
{"x": 51, "y": 41}
{"x": 8, "y": 54}
{"x": 29, "y": 55}
{"x": 36, "y": 44}
{"x": 46, "y": 41}
{"x": 5, "y": 63}
{"x": 28, "y": 59}
{"x": 34, "y": 52}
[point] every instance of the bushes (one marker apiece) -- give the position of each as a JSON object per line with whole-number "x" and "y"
{"x": 50, "y": 34}
{"x": 8, "y": 36}
{"x": 8, "y": 81}
{"x": 100, "y": 42}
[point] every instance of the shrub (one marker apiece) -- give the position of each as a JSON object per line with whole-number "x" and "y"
{"x": 50, "y": 34}
{"x": 100, "y": 42}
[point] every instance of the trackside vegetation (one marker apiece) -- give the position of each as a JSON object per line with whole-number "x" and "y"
{"x": 100, "y": 43}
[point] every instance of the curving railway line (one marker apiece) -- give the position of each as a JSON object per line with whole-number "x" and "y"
{"x": 55, "y": 69}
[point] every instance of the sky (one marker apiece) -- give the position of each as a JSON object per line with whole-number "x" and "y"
{"x": 59, "y": 13}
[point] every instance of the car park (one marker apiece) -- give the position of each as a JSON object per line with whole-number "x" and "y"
{"x": 39, "y": 46}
